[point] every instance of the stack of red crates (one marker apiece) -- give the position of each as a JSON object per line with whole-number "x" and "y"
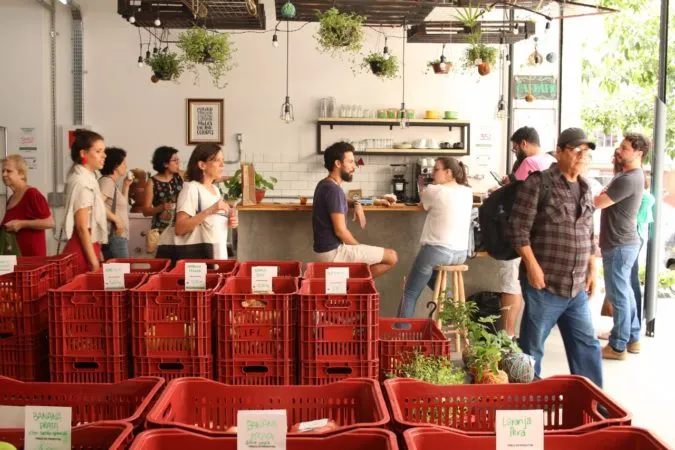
{"x": 338, "y": 332}
{"x": 65, "y": 265}
{"x": 24, "y": 347}
{"x": 257, "y": 332}
{"x": 89, "y": 330}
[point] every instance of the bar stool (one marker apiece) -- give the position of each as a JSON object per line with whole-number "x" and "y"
{"x": 441, "y": 287}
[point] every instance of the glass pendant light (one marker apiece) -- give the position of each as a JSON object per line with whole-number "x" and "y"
{"x": 286, "y": 107}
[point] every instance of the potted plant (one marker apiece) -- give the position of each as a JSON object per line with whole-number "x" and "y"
{"x": 469, "y": 18}
{"x": 482, "y": 56}
{"x": 210, "y": 48}
{"x": 340, "y": 32}
{"x": 440, "y": 65}
{"x": 484, "y": 357}
{"x": 165, "y": 66}
{"x": 262, "y": 184}
{"x": 432, "y": 369}
{"x": 382, "y": 66}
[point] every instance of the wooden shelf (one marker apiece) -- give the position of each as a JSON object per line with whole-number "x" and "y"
{"x": 373, "y": 121}
{"x": 411, "y": 151}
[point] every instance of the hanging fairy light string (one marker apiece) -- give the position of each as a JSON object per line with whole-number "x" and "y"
{"x": 286, "y": 107}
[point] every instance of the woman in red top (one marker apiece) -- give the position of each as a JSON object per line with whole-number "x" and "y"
{"x": 27, "y": 213}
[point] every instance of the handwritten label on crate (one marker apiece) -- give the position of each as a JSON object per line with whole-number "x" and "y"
{"x": 261, "y": 278}
{"x": 195, "y": 276}
{"x": 12, "y": 416}
{"x": 47, "y": 428}
{"x": 336, "y": 280}
{"x": 7, "y": 263}
{"x": 257, "y": 429}
{"x": 113, "y": 275}
{"x": 520, "y": 429}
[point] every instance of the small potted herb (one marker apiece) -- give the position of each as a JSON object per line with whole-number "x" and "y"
{"x": 262, "y": 184}
{"x": 440, "y": 65}
{"x": 432, "y": 369}
{"x": 165, "y": 66}
{"x": 210, "y": 48}
{"x": 340, "y": 32}
{"x": 382, "y": 66}
{"x": 481, "y": 56}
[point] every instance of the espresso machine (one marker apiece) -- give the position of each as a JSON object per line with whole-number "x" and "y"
{"x": 398, "y": 182}
{"x": 424, "y": 169}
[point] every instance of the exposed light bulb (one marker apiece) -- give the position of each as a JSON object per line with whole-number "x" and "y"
{"x": 287, "y": 111}
{"x": 547, "y": 28}
{"x": 132, "y": 19}
{"x": 516, "y": 30}
{"x": 158, "y": 22}
{"x": 402, "y": 116}
{"x": 155, "y": 50}
{"x": 275, "y": 41}
{"x": 147, "y": 55}
{"x": 140, "y": 62}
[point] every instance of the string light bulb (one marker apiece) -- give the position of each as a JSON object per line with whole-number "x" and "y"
{"x": 516, "y": 30}
{"x": 385, "y": 52}
{"x": 140, "y": 62}
{"x": 275, "y": 40}
{"x": 132, "y": 19}
{"x": 158, "y": 22}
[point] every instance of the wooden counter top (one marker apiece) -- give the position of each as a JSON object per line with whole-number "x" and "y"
{"x": 297, "y": 207}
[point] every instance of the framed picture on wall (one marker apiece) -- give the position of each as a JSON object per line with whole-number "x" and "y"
{"x": 205, "y": 121}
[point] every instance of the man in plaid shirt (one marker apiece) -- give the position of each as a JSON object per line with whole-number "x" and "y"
{"x": 558, "y": 269}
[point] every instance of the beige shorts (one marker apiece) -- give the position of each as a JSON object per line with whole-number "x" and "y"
{"x": 353, "y": 253}
{"x": 508, "y": 276}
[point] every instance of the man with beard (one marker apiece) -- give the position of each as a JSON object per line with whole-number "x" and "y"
{"x": 333, "y": 241}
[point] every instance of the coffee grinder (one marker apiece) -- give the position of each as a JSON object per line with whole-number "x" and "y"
{"x": 398, "y": 181}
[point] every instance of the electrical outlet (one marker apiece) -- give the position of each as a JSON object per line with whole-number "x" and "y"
{"x": 240, "y": 137}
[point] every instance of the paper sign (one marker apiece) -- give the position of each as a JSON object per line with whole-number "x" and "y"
{"x": 520, "y": 429}
{"x": 47, "y": 428}
{"x": 12, "y": 417}
{"x": 113, "y": 275}
{"x": 312, "y": 425}
{"x": 336, "y": 280}
{"x": 7, "y": 263}
{"x": 261, "y": 429}
{"x": 261, "y": 278}
{"x": 195, "y": 276}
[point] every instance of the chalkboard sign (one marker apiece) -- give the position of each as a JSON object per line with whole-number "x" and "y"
{"x": 542, "y": 87}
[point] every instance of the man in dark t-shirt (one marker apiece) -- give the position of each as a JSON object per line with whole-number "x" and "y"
{"x": 620, "y": 244}
{"x": 333, "y": 241}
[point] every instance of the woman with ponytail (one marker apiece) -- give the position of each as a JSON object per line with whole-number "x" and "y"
{"x": 85, "y": 223}
{"x": 445, "y": 236}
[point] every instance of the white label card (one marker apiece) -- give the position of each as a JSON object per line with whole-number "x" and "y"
{"x": 7, "y": 263}
{"x": 261, "y": 429}
{"x": 12, "y": 416}
{"x": 336, "y": 280}
{"x": 520, "y": 429}
{"x": 261, "y": 278}
{"x": 195, "y": 276}
{"x": 47, "y": 428}
{"x": 113, "y": 275}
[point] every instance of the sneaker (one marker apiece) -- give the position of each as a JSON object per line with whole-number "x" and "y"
{"x": 634, "y": 347}
{"x": 609, "y": 353}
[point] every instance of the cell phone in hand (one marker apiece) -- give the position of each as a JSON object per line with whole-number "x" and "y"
{"x": 497, "y": 178}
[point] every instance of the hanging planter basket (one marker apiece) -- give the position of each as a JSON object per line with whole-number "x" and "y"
{"x": 165, "y": 66}
{"x": 481, "y": 56}
{"x": 381, "y": 66}
{"x": 209, "y": 48}
{"x": 340, "y": 32}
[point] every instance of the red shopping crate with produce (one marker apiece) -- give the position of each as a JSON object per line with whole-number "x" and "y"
{"x": 171, "y": 368}
{"x": 170, "y": 321}
{"x": 65, "y": 265}
{"x": 326, "y": 372}
{"x": 402, "y": 339}
{"x": 257, "y": 373}
{"x": 224, "y": 267}
{"x": 571, "y": 404}
{"x": 359, "y": 271}
{"x": 143, "y": 265}
{"x": 257, "y": 326}
{"x": 339, "y": 327}
{"x": 127, "y": 401}
{"x": 616, "y": 438}
{"x": 99, "y": 436}
{"x": 210, "y": 408}
{"x": 284, "y": 268}
{"x": 85, "y": 319}
{"x": 25, "y": 358}
{"x": 175, "y": 439}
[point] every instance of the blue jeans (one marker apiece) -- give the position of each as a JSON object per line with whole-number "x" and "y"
{"x": 423, "y": 274}
{"x": 117, "y": 247}
{"x": 617, "y": 264}
{"x": 635, "y": 283}
{"x": 543, "y": 310}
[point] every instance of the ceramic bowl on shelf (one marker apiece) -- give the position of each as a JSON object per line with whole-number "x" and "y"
{"x": 432, "y": 143}
{"x": 420, "y": 143}
{"x": 403, "y": 145}
{"x": 450, "y": 115}
{"x": 430, "y": 114}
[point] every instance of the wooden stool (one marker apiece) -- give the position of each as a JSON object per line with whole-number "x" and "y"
{"x": 441, "y": 287}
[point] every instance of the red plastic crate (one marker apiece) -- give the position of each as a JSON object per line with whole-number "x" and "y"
{"x": 208, "y": 407}
{"x": 616, "y": 438}
{"x": 65, "y": 265}
{"x": 170, "y": 322}
{"x": 320, "y": 373}
{"x": 168, "y": 439}
{"x": 99, "y": 436}
{"x": 170, "y": 368}
{"x": 286, "y": 268}
{"x": 127, "y": 401}
{"x": 88, "y": 369}
{"x": 143, "y": 265}
{"x": 25, "y": 358}
{"x": 401, "y": 338}
{"x": 87, "y": 320}
{"x": 339, "y": 327}
{"x": 570, "y": 404}
{"x": 359, "y": 271}
{"x": 225, "y": 267}
{"x": 252, "y": 326}
{"x": 257, "y": 373}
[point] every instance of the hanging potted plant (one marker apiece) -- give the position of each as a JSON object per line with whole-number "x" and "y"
{"x": 210, "y": 48}
{"x": 469, "y": 17}
{"x": 165, "y": 66}
{"x": 440, "y": 66}
{"x": 340, "y": 32}
{"x": 481, "y": 56}
{"x": 382, "y": 66}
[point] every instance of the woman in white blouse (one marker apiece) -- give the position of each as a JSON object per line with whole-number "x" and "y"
{"x": 445, "y": 236}
{"x": 200, "y": 202}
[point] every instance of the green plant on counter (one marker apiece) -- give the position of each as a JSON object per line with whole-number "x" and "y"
{"x": 234, "y": 188}
{"x": 432, "y": 369}
{"x": 384, "y": 67}
{"x": 201, "y": 46}
{"x": 165, "y": 66}
{"x": 340, "y": 32}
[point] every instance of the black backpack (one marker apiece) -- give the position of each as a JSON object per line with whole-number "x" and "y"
{"x": 495, "y": 212}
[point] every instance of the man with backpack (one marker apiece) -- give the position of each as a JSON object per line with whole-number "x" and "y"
{"x": 556, "y": 243}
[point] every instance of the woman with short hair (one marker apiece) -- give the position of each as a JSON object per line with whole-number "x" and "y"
{"x": 114, "y": 168}
{"x": 162, "y": 190}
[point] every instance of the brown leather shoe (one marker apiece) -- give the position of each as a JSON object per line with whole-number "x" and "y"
{"x": 634, "y": 347}
{"x": 609, "y": 353}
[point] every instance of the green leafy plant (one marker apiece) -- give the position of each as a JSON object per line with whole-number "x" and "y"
{"x": 432, "y": 369}
{"x": 165, "y": 66}
{"x": 469, "y": 16}
{"x": 210, "y": 48}
{"x": 381, "y": 66}
{"x": 234, "y": 188}
{"x": 666, "y": 279}
{"x": 439, "y": 65}
{"x": 479, "y": 52}
{"x": 340, "y": 32}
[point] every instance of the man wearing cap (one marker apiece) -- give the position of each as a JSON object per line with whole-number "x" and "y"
{"x": 556, "y": 244}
